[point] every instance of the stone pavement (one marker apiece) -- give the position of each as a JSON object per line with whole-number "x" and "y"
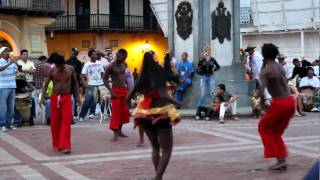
{"x": 202, "y": 151}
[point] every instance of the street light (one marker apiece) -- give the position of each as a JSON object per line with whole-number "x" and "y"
{"x": 146, "y": 46}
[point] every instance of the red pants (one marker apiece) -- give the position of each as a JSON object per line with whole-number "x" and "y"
{"x": 61, "y": 118}
{"x": 120, "y": 110}
{"x": 273, "y": 124}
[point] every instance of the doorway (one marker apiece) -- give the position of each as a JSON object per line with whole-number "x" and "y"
{"x": 117, "y": 14}
{"x": 83, "y": 14}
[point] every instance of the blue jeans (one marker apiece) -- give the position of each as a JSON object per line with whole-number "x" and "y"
{"x": 206, "y": 82}
{"x": 90, "y": 101}
{"x": 47, "y": 106}
{"x": 7, "y": 103}
{"x": 182, "y": 88}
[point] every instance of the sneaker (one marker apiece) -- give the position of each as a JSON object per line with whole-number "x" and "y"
{"x": 197, "y": 118}
{"x": 3, "y": 129}
{"x": 208, "y": 119}
{"x": 221, "y": 121}
{"x": 11, "y": 128}
{"x": 81, "y": 120}
{"x": 314, "y": 109}
{"x": 91, "y": 116}
{"x": 75, "y": 118}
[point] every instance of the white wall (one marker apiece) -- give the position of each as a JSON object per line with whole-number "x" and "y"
{"x": 223, "y": 53}
{"x": 288, "y": 43}
{"x": 180, "y": 44}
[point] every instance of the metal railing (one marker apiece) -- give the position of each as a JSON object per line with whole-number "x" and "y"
{"x": 103, "y": 21}
{"x": 44, "y": 5}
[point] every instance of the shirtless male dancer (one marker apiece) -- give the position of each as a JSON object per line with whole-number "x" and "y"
{"x": 282, "y": 108}
{"x": 119, "y": 91}
{"x": 63, "y": 77}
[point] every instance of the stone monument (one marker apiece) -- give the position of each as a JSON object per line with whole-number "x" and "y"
{"x": 194, "y": 24}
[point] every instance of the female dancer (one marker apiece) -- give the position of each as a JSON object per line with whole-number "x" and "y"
{"x": 156, "y": 112}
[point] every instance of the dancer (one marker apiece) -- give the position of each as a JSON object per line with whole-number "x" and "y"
{"x": 156, "y": 112}
{"x": 282, "y": 108}
{"x": 120, "y": 110}
{"x": 63, "y": 77}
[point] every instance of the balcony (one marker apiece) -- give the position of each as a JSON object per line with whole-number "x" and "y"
{"x": 103, "y": 22}
{"x": 49, "y": 8}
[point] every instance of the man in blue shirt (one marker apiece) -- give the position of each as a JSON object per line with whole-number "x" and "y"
{"x": 185, "y": 71}
{"x": 8, "y": 69}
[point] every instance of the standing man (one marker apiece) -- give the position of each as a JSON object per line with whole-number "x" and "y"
{"x": 28, "y": 70}
{"x": 185, "y": 71}
{"x": 77, "y": 66}
{"x": 282, "y": 108}
{"x": 8, "y": 69}
{"x": 254, "y": 63}
{"x": 281, "y": 59}
{"x": 63, "y": 77}
{"x": 92, "y": 78}
{"x": 118, "y": 92}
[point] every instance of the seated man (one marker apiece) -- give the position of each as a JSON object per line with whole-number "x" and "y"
{"x": 229, "y": 102}
{"x": 312, "y": 82}
{"x": 185, "y": 71}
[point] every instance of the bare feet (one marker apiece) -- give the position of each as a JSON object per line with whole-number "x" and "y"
{"x": 121, "y": 135}
{"x": 281, "y": 165}
{"x": 115, "y": 138}
{"x": 140, "y": 144}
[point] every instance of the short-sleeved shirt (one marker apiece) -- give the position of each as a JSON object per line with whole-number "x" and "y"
{"x": 26, "y": 66}
{"x": 226, "y": 96}
{"x": 185, "y": 69}
{"x": 94, "y": 72}
{"x": 7, "y": 76}
{"x": 313, "y": 82}
{"x": 41, "y": 71}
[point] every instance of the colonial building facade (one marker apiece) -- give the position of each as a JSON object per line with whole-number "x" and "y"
{"x": 107, "y": 25}
{"x": 23, "y": 22}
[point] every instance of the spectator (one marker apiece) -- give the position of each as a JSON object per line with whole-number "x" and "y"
{"x": 8, "y": 69}
{"x": 215, "y": 109}
{"x": 173, "y": 59}
{"x": 28, "y": 67}
{"x": 254, "y": 63}
{"x": 102, "y": 59}
{"x": 91, "y": 77}
{"x": 76, "y": 64}
{"x": 281, "y": 59}
{"x": 135, "y": 75}
{"x": 207, "y": 66}
{"x": 129, "y": 78}
{"x": 229, "y": 103}
{"x": 28, "y": 70}
{"x": 109, "y": 57}
{"x": 313, "y": 82}
{"x": 41, "y": 72}
{"x": 300, "y": 68}
{"x": 316, "y": 65}
{"x": 185, "y": 71}
{"x": 256, "y": 103}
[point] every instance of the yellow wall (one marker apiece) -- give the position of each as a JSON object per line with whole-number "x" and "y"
{"x": 132, "y": 42}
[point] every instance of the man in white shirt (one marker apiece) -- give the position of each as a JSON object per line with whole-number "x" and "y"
{"x": 311, "y": 81}
{"x": 91, "y": 77}
{"x": 254, "y": 63}
{"x": 102, "y": 59}
{"x": 27, "y": 66}
{"x": 281, "y": 60}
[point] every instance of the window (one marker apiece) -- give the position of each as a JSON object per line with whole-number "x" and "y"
{"x": 36, "y": 43}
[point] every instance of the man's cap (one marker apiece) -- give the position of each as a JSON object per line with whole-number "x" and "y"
{"x": 250, "y": 46}
{"x": 75, "y": 50}
{"x": 282, "y": 56}
{"x": 3, "y": 49}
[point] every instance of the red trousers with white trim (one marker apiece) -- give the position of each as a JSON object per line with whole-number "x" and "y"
{"x": 60, "y": 120}
{"x": 272, "y": 126}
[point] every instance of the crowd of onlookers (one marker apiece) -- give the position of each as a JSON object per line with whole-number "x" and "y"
{"x": 21, "y": 81}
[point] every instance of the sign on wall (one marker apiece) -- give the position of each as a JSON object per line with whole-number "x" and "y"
{"x": 221, "y": 23}
{"x": 184, "y": 16}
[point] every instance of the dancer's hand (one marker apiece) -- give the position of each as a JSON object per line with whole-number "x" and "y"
{"x": 113, "y": 94}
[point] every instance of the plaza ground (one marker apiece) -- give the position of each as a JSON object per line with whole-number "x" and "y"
{"x": 202, "y": 151}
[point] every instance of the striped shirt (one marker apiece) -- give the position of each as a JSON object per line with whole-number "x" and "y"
{"x": 7, "y": 77}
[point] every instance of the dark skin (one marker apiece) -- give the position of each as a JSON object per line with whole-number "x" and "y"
{"x": 162, "y": 139}
{"x": 274, "y": 79}
{"x": 63, "y": 76}
{"x": 116, "y": 70}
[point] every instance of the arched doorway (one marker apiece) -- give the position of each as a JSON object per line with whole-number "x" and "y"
{"x": 8, "y": 41}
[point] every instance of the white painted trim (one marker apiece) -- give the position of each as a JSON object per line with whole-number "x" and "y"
{"x": 11, "y": 24}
